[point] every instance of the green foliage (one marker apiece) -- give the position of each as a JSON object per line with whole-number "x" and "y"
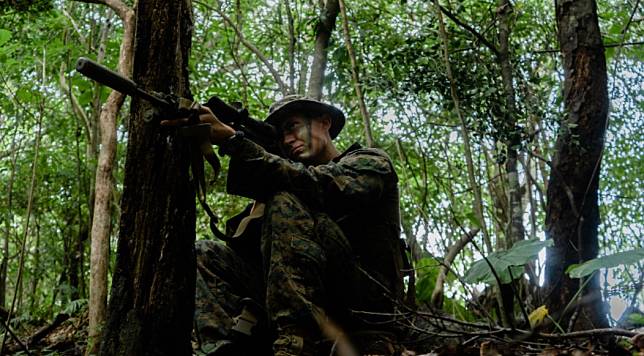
{"x": 5, "y": 35}
{"x": 636, "y": 319}
{"x": 617, "y": 259}
{"x": 404, "y": 80}
{"x": 426, "y": 272}
{"x": 74, "y": 306}
{"x": 506, "y": 264}
{"x": 26, "y": 5}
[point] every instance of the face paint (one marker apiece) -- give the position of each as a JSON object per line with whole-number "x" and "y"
{"x": 308, "y": 141}
{"x": 304, "y": 139}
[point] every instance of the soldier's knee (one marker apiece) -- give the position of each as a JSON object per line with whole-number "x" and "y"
{"x": 284, "y": 198}
{"x": 208, "y": 249}
{"x": 286, "y": 212}
{"x": 286, "y": 203}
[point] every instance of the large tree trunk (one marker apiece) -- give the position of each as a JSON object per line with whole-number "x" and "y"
{"x": 572, "y": 214}
{"x": 152, "y": 297}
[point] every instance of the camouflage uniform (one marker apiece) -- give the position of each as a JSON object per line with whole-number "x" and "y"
{"x": 323, "y": 228}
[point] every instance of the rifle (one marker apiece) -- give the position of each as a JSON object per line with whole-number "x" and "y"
{"x": 173, "y": 106}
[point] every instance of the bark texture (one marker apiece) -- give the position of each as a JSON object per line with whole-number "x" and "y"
{"x": 102, "y": 216}
{"x": 572, "y": 215}
{"x": 326, "y": 24}
{"x": 152, "y": 297}
{"x": 514, "y": 230}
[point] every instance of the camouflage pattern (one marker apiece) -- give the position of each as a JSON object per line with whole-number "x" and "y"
{"x": 323, "y": 227}
{"x": 223, "y": 280}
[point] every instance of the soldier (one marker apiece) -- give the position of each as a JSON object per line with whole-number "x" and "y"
{"x": 317, "y": 255}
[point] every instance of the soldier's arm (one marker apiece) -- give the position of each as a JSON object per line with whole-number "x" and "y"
{"x": 357, "y": 180}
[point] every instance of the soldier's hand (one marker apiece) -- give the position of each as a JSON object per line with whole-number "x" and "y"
{"x": 219, "y": 131}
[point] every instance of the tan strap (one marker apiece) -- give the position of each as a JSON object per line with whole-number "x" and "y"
{"x": 256, "y": 212}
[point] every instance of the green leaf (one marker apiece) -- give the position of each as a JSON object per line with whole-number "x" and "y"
{"x": 614, "y": 260}
{"x": 636, "y": 319}
{"x": 524, "y": 251}
{"x": 427, "y": 272}
{"x": 572, "y": 267}
{"x": 481, "y": 272}
{"x": 5, "y": 36}
{"x": 502, "y": 261}
{"x": 473, "y": 219}
{"x": 24, "y": 94}
{"x": 457, "y": 309}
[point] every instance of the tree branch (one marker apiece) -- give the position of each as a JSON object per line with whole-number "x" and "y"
{"x": 119, "y": 7}
{"x": 569, "y": 193}
{"x": 76, "y": 108}
{"x": 437, "y": 294}
{"x": 606, "y": 45}
{"x": 356, "y": 81}
{"x": 291, "y": 45}
{"x": 471, "y": 30}
{"x": 283, "y": 87}
{"x": 478, "y": 201}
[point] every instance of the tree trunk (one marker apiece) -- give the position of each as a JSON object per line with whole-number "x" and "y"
{"x": 35, "y": 270}
{"x": 328, "y": 15}
{"x": 102, "y": 217}
{"x": 514, "y": 230}
{"x": 152, "y": 297}
{"x": 572, "y": 215}
{"x": 7, "y": 224}
{"x": 75, "y": 261}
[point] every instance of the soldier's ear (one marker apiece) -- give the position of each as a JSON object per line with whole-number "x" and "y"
{"x": 326, "y": 121}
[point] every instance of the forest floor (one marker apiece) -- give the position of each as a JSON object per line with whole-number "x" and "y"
{"x": 67, "y": 335}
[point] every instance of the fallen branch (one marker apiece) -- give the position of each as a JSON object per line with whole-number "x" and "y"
{"x": 15, "y": 337}
{"x": 588, "y": 333}
{"x": 45, "y": 330}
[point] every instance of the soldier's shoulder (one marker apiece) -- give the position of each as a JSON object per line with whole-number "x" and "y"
{"x": 369, "y": 159}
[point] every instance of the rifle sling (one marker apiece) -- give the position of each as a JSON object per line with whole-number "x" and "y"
{"x": 200, "y": 149}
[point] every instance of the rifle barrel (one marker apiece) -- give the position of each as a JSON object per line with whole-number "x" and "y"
{"x": 114, "y": 80}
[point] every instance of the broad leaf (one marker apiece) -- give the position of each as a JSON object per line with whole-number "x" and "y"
{"x": 614, "y": 260}
{"x": 521, "y": 253}
{"x": 524, "y": 251}
{"x": 480, "y": 271}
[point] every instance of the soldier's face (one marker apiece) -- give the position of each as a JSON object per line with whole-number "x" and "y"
{"x": 304, "y": 139}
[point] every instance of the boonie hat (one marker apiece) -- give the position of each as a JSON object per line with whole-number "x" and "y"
{"x": 295, "y": 103}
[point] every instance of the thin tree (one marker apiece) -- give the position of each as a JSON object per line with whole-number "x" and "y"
{"x": 514, "y": 231}
{"x": 102, "y": 217}
{"x": 326, "y": 23}
{"x": 366, "y": 119}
